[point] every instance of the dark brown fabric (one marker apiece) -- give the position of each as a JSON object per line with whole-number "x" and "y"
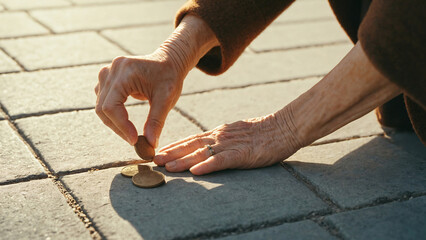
{"x": 235, "y": 22}
{"x": 393, "y": 35}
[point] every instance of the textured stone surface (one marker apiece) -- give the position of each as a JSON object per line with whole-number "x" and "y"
{"x": 37, "y": 210}
{"x": 7, "y": 64}
{"x": 58, "y": 89}
{"x": 55, "y": 51}
{"x": 297, "y": 230}
{"x": 87, "y": 2}
{"x": 306, "y": 11}
{"x": 409, "y": 142}
{"x": 214, "y": 108}
{"x": 188, "y": 205}
{"x": 30, "y": 4}
{"x": 361, "y": 171}
{"x": 75, "y": 140}
{"x": 22, "y": 25}
{"x": 269, "y": 67}
{"x": 108, "y": 16}
{"x": 140, "y": 40}
{"x": 396, "y": 220}
{"x": 284, "y": 36}
{"x": 16, "y": 161}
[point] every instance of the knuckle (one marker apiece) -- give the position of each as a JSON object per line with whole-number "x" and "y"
{"x": 96, "y": 88}
{"x": 107, "y": 108}
{"x": 103, "y": 73}
{"x": 98, "y": 110}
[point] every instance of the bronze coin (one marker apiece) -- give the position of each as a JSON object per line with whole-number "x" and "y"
{"x": 129, "y": 171}
{"x": 144, "y": 149}
{"x": 148, "y": 178}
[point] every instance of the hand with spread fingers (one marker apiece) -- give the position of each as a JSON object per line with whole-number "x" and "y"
{"x": 245, "y": 144}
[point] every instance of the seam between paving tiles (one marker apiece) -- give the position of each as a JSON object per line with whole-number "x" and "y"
{"x": 14, "y": 60}
{"x": 70, "y": 199}
{"x": 115, "y": 43}
{"x": 307, "y": 46}
{"x": 39, "y": 22}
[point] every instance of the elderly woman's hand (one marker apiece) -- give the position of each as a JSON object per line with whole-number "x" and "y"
{"x": 245, "y": 144}
{"x": 157, "y": 78}
{"x": 154, "y": 78}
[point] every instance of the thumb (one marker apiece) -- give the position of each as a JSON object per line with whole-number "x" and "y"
{"x": 155, "y": 122}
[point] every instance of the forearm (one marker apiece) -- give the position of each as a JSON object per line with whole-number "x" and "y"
{"x": 352, "y": 89}
{"x": 190, "y": 41}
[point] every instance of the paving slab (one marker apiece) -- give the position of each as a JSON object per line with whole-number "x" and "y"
{"x": 57, "y": 89}
{"x": 298, "y": 230}
{"x": 16, "y": 161}
{"x": 54, "y": 51}
{"x": 7, "y": 64}
{"x": 312, "y": 10}
{"x": 286, "y": 36}
{"x": 108, "y": 16}
{"x": 22, "y": 25}
{"x": 188, "y": 205}
{"x": 31, "y": 4}
{"x": 1, "y": 8}
{"x": 76, "y": 140}
{"x": 408, "y": 141}
{"x": 140, "y": 40}
{"x": 37, "y": 210}
{"x": 362, "y": 171}
{"x": 270, "y": 67}
{"x": 396, "y": 220}
{"x": 88, "y": 2}
{"x": 227, "y": 106}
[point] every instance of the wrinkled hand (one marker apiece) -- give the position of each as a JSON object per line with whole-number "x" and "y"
{"x": 152, "y": 78}
{"x": 245, "y": 144}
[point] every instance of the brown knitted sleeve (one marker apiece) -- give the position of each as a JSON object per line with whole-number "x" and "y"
{"x": 393, "y": 35}
{"x": 235, "y": 22}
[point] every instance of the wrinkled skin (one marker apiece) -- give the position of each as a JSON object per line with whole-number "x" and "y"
{"x": 151, "y": 78}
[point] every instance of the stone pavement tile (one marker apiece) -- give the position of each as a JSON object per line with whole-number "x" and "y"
{"x": 108, "y": 16}
{"x": 37, "y": 210}
{"x": 409, "y": 142}
{"x": 298, "y": 230}
{"x": 7, "y": 64}
{"x": 306, "y": 11}
{"x": 16, "y": 161}
{"x": 22, "y": 25}
{"x": 361, "y": 171}
{"x": 1, "y": 8}
{"x": 61, "y": 50}
{"x": 57, "y": 89}
{"x": 87, "y": 2}
{"x": 31, "y": 4}
{"x": 189, "y": 205}
{"x": 396, "y": 220}
{"x": 269, "y": 67}
{"x": 140, "y": 40}
{"x": 76, "y": 140}
{"x": 214, "y": 108}
{"x": 284, "y": 36}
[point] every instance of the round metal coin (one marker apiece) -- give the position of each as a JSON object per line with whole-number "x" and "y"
{"x": 144, "y": 149}
{"x": 148, "y": 178}
{"x": 130, "y": 171}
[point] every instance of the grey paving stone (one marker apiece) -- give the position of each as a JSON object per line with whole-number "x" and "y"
{"x": 298, "y": 230}
{"x": 16, "y": 161}
{"x": 214, "y": 108}
{"x": 37, "y": 210}
{"x": 54, "y": 51}
{"x": 7, "y": 64}
{"x": 361, "y": 171}
{"x": 269, "y": 67}
{"x": 188, "y": 205}
{"x": 100, "y": 16}
{"x": 140, "y": 40}
{"x": 30, "y": 4}
{"x": 76, "y": 140}
{"x": 396, "y": 220}
{"x": 22, "y": 25}
{"x": 306, "y": 11}
{"x": 87, "y": 2}
{"x": 285, "y": 36}
{"x": 58, "y": 89}
{"x": 409, "y": 142}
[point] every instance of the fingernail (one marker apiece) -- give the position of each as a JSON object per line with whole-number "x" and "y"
{"x": 171, "y": 164}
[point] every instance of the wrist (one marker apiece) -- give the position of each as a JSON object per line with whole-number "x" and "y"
{"x": 190, "y": 41}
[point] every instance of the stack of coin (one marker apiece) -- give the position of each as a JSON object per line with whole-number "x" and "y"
{"x": 142, "y": 175}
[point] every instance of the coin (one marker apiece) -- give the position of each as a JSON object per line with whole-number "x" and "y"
{"x": 130, "y": 171}
{"x": 148, "y": 178}
{"x": 144, "y": 149}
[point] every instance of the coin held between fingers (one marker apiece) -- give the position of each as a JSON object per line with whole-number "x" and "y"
{"x": 144, "y": 149}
